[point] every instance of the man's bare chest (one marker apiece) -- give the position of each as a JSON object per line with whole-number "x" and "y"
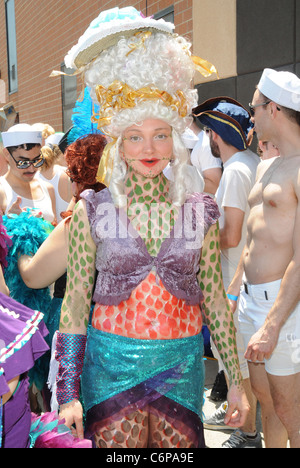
{"x": 274, "y": 188}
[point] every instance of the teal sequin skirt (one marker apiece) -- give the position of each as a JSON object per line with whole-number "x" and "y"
{"x": 121, "y": 375}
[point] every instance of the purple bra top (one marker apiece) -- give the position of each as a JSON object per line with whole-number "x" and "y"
{"x": 122, "y": 258}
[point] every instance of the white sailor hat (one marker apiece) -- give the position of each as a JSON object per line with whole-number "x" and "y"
{"x": 21, "y": 134}
{"x": 281, "y": 87}
{"x": 54, "y": 139}
{"x": 189, "y": 138}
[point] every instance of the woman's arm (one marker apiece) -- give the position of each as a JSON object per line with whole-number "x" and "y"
{"x": 219, "y": 319}
{"x": 3, "y": 286}
{"x": 81, "y": 272}
{"x": 75, "y": 313}
{"x": 12, "y": 384}
{"x": 51, "y": 191}
{"x": 49, "y": 262}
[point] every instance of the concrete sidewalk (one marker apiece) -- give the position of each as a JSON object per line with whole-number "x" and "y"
{"x": 214, "y": 439}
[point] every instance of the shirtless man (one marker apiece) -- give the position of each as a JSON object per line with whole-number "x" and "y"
{"x": 19, "y": 187}
{"x": 269, "y": 310}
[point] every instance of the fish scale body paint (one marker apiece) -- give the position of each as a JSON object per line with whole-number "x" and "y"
{"x": 75, "y": 309}
{"x": 150, "y": 209}
{"x": 221, "y": 325}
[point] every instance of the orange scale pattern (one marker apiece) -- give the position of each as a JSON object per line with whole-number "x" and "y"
{"x": 151, "y": 312}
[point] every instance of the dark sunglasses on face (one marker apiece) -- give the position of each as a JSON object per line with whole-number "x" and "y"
{"x": 26, "y": 163}
{"x": 253, "y": 107}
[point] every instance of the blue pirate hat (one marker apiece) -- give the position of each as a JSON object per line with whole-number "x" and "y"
{"x": 228, "y": 118}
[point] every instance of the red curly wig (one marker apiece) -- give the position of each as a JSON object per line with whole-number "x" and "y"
{"x": 83, "y": 157}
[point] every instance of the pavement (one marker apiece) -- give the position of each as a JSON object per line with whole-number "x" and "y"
{"x": 214, "y": 439}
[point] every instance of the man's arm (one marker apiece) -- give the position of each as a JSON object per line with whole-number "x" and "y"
{"x": 212, "y": 179}
{"x": 3, "y": 202}
{"x": 53, "y": 201}
{"x": 231, "y": 232}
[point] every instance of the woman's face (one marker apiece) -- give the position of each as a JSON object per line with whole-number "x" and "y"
{"x": 147, "y": 149}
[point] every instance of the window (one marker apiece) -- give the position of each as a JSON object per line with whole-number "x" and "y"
{"x": 167, "y": 14}
{"x": 69, "y": 96}
{"x": 11, "y": 45}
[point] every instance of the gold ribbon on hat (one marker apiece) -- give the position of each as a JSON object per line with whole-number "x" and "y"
{"x": 106, "y": 164}
{"x": 119, "y": 96}
{"x": 142, "y": 36}
{"x": 204, "y": 67}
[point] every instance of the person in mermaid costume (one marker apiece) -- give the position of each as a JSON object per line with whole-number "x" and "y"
{"x": 145, "y": 249}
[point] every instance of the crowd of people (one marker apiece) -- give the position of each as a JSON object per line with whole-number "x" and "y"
{"x": 118, "y": 246}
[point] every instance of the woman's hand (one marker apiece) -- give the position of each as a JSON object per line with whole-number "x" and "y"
{"x": 238, "y": 406}
{"x": 72, "y": 414}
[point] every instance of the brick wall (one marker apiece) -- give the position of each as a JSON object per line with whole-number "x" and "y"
{"x": 46, "y": 30}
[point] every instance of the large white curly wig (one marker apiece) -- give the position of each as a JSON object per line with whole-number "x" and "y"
{"x": 161, "y": 61}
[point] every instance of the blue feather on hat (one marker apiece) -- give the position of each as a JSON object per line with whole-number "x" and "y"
{"x": 81, "y": 118}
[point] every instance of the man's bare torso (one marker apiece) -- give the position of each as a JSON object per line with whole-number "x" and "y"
{"x": 273, "y": 206}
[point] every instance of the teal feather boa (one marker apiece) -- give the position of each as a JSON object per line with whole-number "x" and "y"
{"x": 27, "y": 234}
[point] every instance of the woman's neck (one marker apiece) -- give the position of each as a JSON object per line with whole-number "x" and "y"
{"x": 150, "y": 209}
{"x": 145, "y": 189}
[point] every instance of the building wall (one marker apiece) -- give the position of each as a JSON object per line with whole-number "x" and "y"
{"x": 267, "y": 35}
{"x": 214, "y": 36}
{"x": 46, "y": 30}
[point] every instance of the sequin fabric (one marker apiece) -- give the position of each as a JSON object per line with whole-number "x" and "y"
{"x": 115, "y": 366}
{"x": 70, "y": 351}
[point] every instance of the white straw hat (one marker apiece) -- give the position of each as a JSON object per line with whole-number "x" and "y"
{"x": 281, "y": 87}
{"x": 106, "y": 30}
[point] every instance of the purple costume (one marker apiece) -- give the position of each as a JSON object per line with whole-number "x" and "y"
{"x": 22, "y": 333}
{"x": 21, "y": 344}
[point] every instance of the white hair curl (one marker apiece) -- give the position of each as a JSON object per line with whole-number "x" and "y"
{"x": 163, "y": 61}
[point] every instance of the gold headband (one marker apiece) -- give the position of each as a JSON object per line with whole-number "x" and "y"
{"x": 119, "y": 96}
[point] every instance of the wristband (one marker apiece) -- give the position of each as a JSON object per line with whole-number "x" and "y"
{"x": 70, "y": 350}
{"x": 232, "y": 298}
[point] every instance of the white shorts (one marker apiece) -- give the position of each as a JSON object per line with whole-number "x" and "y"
{"x": 254, "y": 306}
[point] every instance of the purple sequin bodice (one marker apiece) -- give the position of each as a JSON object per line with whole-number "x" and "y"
{"x": 122, "y": 258}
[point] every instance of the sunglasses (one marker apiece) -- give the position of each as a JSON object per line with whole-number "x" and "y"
{"x": 252, "y": 107}
{"x": 26, "y": 163}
